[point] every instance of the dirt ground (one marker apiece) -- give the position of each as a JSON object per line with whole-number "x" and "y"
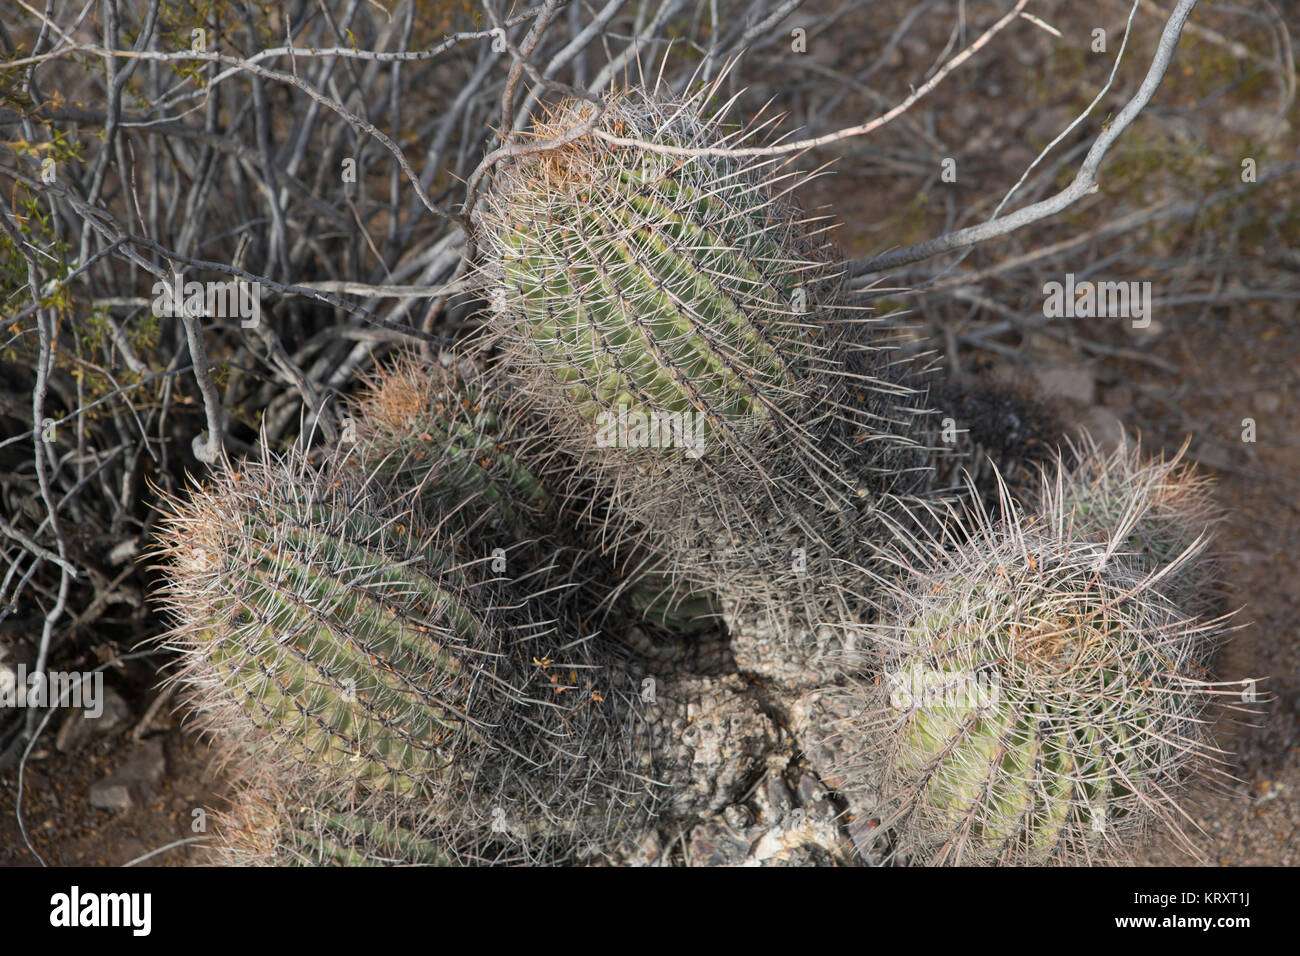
{"x": 1245, "y": 366}
{"x": 1197, "y": 374}
{"x": 67, "y": 831}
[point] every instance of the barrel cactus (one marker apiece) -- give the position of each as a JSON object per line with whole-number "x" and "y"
{"x": 710, "y": 740}
{"x": 331, "y": 634}
{"x": 435, "y": 430}
{"x": 679, "y": 411}
{"x": 1033, "y": 698}
{"x": 664, "y": 306}
{"x": 275, "y": 823}
{"x": 998, "y": 434}
{"x": 683, "y": 339}
{"x": 652, "y": 291}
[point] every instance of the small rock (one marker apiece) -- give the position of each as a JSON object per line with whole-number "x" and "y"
{"x": 107, "y": 795}
{"x": 1267, "y": 402}
{"x": 646, "y": 851}
{"x": 1070, "y": 383}
{"x": 914, "y": 46}
{"x": 1104, "y": 426}
{"x": 78, "y": 726}
{"x": 124, "y": 550}
{"x": 804, "y": 855}
{"x": 134, "y": 782}
{"x": 1210, "y": 455}
{"x": 1253, "y": 123}
{"x": 778, "y": 796}
{"x": 1145, "y": 334}
{"x": 1006, "y": 376}
{"x": 1042, "y": 351}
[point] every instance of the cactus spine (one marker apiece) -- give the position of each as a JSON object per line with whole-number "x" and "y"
{"x": 1157, "y": 508}
{"x": 638, "y": 284}
{"x": 682, "y": 389}
{"x": 328, "y": 636}
{"x": 437, "y": 432}
{"x": 306, "y": 823}
{"x": 445, "y": 437}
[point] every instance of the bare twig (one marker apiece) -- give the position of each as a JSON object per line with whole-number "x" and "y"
{"x": 1085, "y": 181}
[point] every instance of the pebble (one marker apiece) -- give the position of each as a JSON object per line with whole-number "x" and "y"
{"x": 1070, "y": 383}
{"x": 648, "y": 850}
{"x": 78, "y": 727}
{"x": 134, "y": 782}
{"x": 738, "y": 817}
{"x": 1104, "y": 426}
{"x": 1253, "y": 123}
{"x": 778, "y": 796}
{"x": 1268, "y": 402}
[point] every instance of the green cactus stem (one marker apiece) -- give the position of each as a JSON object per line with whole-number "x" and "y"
{"x": 337, "y": 638}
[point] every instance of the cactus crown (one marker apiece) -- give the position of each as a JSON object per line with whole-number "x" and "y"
{"x": 1156, "y": 508}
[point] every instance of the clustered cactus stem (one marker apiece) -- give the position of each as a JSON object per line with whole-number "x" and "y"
{"x": 678, "y": 418}
{"x": 690, "y": 295}
{"x": 337, "y": 635}
{"x": 649, "y": 285}
{"x": 278, "y": 821}
{"x": 435, "y": 430}
{"x": 1157, "y": 509}
{"x": 1037, "y": 693}
{"x": 444, "y": 437}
